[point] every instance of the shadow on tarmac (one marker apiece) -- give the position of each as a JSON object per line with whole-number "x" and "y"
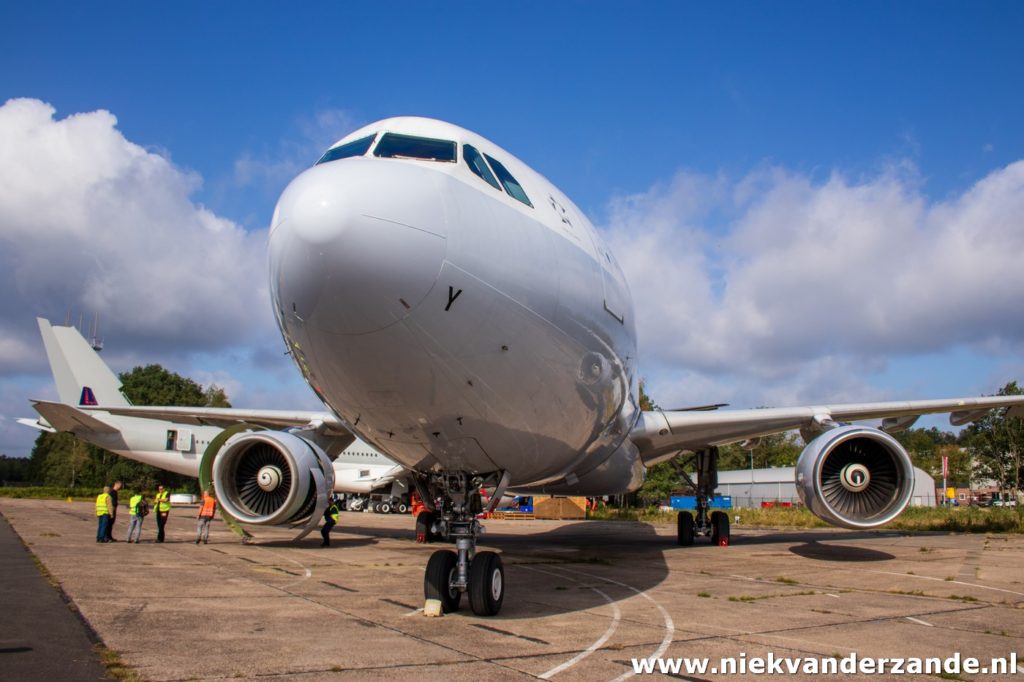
{"x": 842, "y": 553}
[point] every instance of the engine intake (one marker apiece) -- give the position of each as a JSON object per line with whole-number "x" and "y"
{"x": 271, "y": 478}
{"x": 855, "y": 477}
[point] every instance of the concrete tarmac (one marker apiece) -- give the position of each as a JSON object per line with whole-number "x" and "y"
{"x": 583, "y": 598}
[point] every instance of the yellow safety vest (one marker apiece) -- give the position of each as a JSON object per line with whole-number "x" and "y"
{"x": 103, "y": 504}
{"x": 133, "y": 505}
{"x": 163, "y": 501}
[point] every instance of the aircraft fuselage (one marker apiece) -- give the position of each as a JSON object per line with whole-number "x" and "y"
{"x": 454, "y": 326}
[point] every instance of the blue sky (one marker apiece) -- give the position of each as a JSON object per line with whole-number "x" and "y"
{"x": 710, "y": 127}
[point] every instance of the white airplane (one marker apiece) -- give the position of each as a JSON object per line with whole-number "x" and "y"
{"x": 454, "y": 309}
{"x": 83, "y": 380}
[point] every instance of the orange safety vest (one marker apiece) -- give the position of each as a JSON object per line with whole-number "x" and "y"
{"x": 209, "y": 505}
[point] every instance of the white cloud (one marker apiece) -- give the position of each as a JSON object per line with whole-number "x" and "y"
{"x": 92, "y": 222}
{"x": 805, "y": 287}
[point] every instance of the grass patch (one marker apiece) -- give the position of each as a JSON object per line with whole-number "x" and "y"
{"x": 962, "y": 597}
{"x": 48, "y": 493}
{"x": 785, "y": 581}
{"x": 704, "y": 595}
{"x": 746, "y": 598}
{"x": 115, "y": 666}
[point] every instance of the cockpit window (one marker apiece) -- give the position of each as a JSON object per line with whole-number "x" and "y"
{"x": 510, "y": 184}
{"x": 398, "y": 146}
{"x": 476, "y": 163}
{"x": 344, "y": 151}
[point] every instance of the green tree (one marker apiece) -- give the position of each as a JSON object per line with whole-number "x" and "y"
{"x": 996, "y": 443}
{"x": 15, "y": 470}
{"x": 927, "y": 447}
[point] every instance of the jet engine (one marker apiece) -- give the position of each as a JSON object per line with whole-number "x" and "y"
{"x": 855, "y": 477}
{"x": 272, "y": 478}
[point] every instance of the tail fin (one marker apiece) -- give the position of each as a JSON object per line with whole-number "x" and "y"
{"x": 82, "y": 378}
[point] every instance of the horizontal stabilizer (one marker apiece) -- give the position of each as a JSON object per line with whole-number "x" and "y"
{"x": 69, "y": 418}
{"x": 38, "y": 424}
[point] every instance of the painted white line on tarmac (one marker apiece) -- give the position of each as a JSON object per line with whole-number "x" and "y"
{"x": 599, "y": 642}
{"x": 918, "y": 621}
{"x": 834, "y": 596}
{"x": 670, "y": 627}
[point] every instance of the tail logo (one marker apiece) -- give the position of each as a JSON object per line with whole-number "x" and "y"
{"x": 88, "y": 397}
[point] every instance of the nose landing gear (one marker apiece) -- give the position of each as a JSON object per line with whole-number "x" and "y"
{"x": 450, "y": 574}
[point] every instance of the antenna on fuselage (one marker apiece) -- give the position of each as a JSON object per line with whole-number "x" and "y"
{"x": 97, "y": 341}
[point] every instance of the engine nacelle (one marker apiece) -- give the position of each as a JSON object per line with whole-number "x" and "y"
{"x": 855, "y": 477}
{"x": 272, "y": 478}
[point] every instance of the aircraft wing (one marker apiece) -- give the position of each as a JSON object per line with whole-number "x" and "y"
{"x": 229, "y": 416}
{"x": 659, "y": 434}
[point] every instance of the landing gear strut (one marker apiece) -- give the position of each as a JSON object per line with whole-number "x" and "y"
{"x": 714, "y": 525}
{"x": 449, "y": 574}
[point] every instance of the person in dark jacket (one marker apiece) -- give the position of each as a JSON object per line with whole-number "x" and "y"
{"x": 113, "y": 510}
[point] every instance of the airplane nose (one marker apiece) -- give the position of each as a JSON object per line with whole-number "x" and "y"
{"x": 357, "y": 244}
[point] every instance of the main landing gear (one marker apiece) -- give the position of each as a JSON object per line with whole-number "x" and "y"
{"x": 714, "y": 525}
{"x": 451, "y": 574}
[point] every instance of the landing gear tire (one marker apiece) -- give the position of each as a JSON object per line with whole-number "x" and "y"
{"x": 437, "y": 581}
{"x": 684, "y": 529}
{"x": 486, "y": 584}
{"x": 402, "y": 508}
{"x": 720, "y": 529}
{"x": 385, "y": 508}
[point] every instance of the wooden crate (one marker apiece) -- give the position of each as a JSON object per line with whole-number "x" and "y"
{"x": 559, "y": 507}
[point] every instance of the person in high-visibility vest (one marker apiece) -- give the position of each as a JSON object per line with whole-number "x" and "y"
{"x": 330, "y": 519}
{"x": 136, "y": 508}
{"x": 163, "y": 510}
{"x": 103, "y": 507}
{"x": 205, "y": 516}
